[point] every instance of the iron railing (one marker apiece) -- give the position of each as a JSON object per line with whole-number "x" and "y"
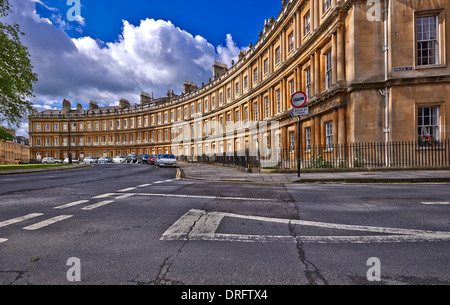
{"x": 354, "y": 155}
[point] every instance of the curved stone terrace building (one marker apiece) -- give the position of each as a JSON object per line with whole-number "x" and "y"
{"x": 373, "y": 71}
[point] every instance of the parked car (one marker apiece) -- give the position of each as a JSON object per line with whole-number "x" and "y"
{"x": 143, "y": 158}
{"x": 131, "y": 158}
{"x": 51, "y": 161}
{"x": 152, "y": 159}
{"x": 166, "y": 160}
{"x": 90, "y": 160}
{"x": 119, "y": 159}
{"x": 104, "y": 160}
{"x": 74, "y": 161}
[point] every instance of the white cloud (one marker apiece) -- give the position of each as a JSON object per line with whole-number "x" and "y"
{"x": 151, "y": 57}
{"x": 229, "y": 52}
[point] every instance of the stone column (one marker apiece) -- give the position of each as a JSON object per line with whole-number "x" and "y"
{"x": 316, "y": 14}
{"x": 317, "y": 131}
{"x": 342, "y": 125}
{"x": 296, "y": 30}
{"x": 334, "y": 56}
{"x": 316, "y": 72}
{"x": 340, "y": 54}
{"x": 336, "y": 124}
{"x": 312, "y": 14}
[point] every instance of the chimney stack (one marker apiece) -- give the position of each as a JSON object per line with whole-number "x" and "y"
{"x": 66, "y": 106}
{"x": 124, "y": 103}
{"x": 93, "y": 105}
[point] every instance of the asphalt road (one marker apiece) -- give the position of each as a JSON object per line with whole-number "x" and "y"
{"x": 136, "y": 224}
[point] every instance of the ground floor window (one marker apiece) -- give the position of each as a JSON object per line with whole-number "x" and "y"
{"x": 329, "y": 135}
{"x": 428, "y": 123}
{"x": 308, "y": 138}
{"x": 292, "y": 141}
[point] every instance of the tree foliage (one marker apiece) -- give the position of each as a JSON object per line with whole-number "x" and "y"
{"x": 16, "y": 72}
{"x": 5, "y": 135}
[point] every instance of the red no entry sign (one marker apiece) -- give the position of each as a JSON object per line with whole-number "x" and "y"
{"x": 298, "y": 100}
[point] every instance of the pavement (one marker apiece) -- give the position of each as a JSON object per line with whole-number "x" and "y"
{"x": 213, "y": 172}
{"x": 218, "y": 172}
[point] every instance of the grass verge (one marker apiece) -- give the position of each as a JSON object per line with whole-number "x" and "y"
{"x": 28, "y": 166}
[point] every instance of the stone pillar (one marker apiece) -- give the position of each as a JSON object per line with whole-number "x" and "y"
{"x": 316, "y": 13}
{"x": 316, "y": 72}
{"x": 296, "y": 30}
{"x": 340, "y": 54}
{"x": 336, "y": 124}
{"x": 317, "y": 130}
{"x": 342, "y": 125}
{"x": 285, "y": 104}
{"x": 334, "y": 56}
{"x": 299, "y": 79}
{"x": 312, "y": 14}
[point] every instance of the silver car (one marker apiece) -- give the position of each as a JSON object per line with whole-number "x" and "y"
{"x": 90, "y": 160}
{"x": 74, "y": 161}
{"x": 51, "y": 161}
{"x": 166, "y": 160}
{"x": 119, "y": 159}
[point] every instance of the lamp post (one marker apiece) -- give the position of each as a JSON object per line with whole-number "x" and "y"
{"x": 70, "y": 140}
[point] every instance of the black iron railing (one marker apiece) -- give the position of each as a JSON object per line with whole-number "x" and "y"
{"x": 353, "y": 155}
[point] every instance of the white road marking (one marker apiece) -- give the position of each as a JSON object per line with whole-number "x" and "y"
{"x": 127, "y": 190}
{"x": 2, "y": 240}
{"x": 201, "y": 225}
{"x": 202, "y": 197}
{"x": 19, "y": 219}
{"x": 104, "y": 196}
{"x": 97, "y": 205}
{"x": 124, "y": 196}
{"x": 158, "y": 182}
{"x": 47, "y": 222}
{"x": 435, "y": 203}
{"x": 72, "y": 204}
{"x": 144, "y": 185}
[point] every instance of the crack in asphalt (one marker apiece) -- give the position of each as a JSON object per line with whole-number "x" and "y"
{"x": 311, "y": 272}
{"x": 18, "y": 276}
{"x": 161, "y": 277}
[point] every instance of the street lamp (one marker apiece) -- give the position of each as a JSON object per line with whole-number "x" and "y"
{"x": 70, "y": 140}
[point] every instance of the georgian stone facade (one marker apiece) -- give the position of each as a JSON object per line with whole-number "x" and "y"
{"x": 334, "y": 50}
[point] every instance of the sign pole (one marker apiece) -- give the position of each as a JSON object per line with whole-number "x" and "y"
{"x": 298, "y": 149}
{"x": 298, "y": 101}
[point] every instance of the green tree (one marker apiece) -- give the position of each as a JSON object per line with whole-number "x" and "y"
{"x": 16, "y": 73}
{"x": 5, "y": 135}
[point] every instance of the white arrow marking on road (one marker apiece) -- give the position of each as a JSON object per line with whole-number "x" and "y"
{"x": 201, "y": 225}
{"x": 2, "y": 240}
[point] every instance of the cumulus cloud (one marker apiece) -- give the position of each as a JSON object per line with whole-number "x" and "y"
{"x": 229, "y": 52}
{"x": 152, "y": 56}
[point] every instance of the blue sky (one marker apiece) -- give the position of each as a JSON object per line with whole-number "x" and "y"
{"x": 209, "y": 19}
{"x": 118, "y": 48}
